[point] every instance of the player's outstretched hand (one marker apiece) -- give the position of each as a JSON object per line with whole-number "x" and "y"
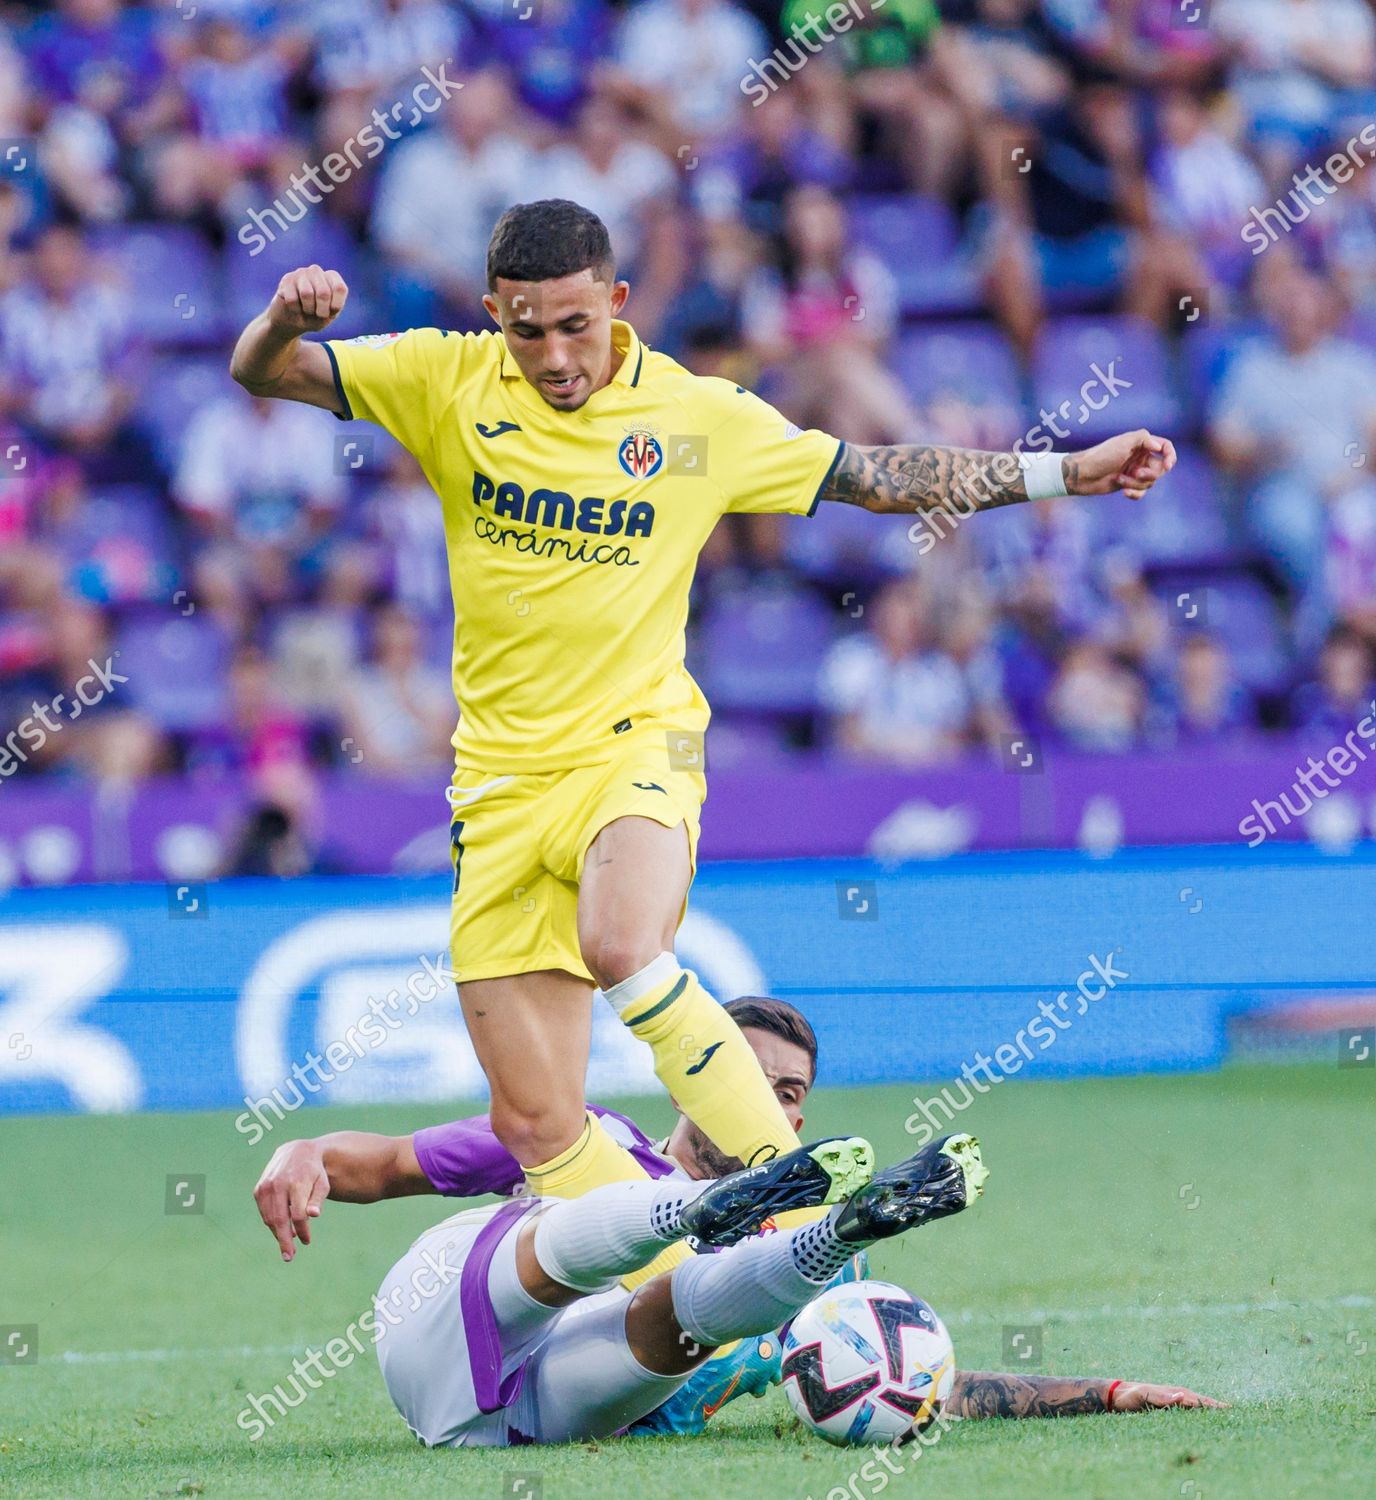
{"x": 289, "y": 1193}
{"x": 1131, "y": 462}
{"x": 1139, "y": 1397}
{"x": 307, "y": 300}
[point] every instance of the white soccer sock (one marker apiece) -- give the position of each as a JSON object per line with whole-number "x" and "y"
{"x": 590, "y": 1243}
{"x": 659, "y": 971}
{"x": 818, "y": 1252}
{"x": 758, "y": 1284}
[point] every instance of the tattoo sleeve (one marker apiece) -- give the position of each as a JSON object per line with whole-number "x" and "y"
{"x": 915, "y": 477}
{"x": 982, "y": 1394}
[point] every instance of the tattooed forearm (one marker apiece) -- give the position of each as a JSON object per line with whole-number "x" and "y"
{"x": 981, "y": 1394}
{"x": 914, "y": 477}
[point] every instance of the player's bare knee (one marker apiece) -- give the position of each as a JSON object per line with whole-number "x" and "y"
{"x": 535, "y": 1137}
{"x": 614, "y": 956}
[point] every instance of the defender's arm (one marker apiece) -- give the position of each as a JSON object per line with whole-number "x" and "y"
{"x": 270, "y": 358}
{"x": 978, "y": 1393}
{"x": 351, "y": 1166}
{"x": 921, "y": 477}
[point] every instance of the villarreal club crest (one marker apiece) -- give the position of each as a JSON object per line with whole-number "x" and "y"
{"x": 640, "y": 454}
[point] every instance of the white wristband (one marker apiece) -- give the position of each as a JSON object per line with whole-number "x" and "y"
{"x": 1043, "y": 475}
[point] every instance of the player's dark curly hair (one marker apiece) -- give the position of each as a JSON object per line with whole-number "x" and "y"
{"x": 550, "y": 238}
{"x": 778, "y": 1017}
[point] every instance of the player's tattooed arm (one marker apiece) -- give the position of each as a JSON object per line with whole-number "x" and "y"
{"x": 917, "y": 476}
{"x": 980, "y": 1393}
{"x": 911, "y": 477}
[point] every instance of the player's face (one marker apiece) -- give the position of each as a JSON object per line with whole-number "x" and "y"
{"x": 559, "y": 333}
{"x": 787, "y": 1067}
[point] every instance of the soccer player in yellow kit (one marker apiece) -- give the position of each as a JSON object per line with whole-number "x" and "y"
{"x": 580, "y": 473}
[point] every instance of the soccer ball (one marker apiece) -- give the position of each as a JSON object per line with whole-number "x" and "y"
{"x": 867, "y": 1362}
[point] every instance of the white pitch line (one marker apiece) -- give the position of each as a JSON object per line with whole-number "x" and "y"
{"x": 1154, "y": 1310}
{"x": 156, "y": 1356}
{"x": 1355, "y": 1301}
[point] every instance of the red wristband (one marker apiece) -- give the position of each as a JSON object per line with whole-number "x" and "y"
{"x": 1108, "y": 1395}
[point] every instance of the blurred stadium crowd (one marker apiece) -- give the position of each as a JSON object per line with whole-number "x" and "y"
{"x": 961, "y": 221}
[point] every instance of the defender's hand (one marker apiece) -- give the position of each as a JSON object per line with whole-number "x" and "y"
{"x": 289, "y": 1193}
{"x": 1138, "y": 1397}
{"x": 1131, "y": 462}
{"x": 307, "y": 300}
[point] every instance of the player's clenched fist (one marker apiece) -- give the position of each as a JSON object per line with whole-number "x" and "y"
{"x": 308, "y": 299}
{"x": 1131, "y": 462}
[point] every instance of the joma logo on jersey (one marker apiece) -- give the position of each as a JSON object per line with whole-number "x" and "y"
{"x": 558, "y": 509}
{"x": 640, "y": 455}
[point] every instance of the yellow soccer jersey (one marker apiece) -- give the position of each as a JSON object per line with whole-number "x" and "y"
{"x": 573, "y": 536}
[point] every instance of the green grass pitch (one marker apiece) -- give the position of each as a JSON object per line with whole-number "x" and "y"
{"x": 1216, "y": 1230}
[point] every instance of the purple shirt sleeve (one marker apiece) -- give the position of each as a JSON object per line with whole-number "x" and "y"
{"x": 464, "y": 1159}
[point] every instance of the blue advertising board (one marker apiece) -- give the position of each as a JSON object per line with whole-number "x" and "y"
{"x": 175, "y": 997}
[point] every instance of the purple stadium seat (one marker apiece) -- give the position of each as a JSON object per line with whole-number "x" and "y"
{"x": 1360, "y": 327}
{"x": 176, "y": 388}
{"x": 175, "y": 289}
{"x": 1074, "y": 351}
{"x": 120, "y": 510}
{"x": 846, "y": 547}
{"x": 177, "y": 668}
{"x": 119, "y": 546}
{"x": 438, "y": 642}
{"x": 316, "y": 239}
{"x": 917, "y": 239}
{"x": 972, "y": 360}
{"x": 741, "y": 740}
{"x": 1206, "y": 352}
{"x": 1237, "y": 608}
{"x": 759, "y": 651}
{"x": 1181, "y": 522}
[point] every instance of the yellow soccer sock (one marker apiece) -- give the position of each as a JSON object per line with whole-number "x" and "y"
{"x": 592, "y": 1161}
{"x": 704, "y": 1061}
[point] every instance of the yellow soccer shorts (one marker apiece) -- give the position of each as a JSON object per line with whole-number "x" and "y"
{"x": 517, "y": 845}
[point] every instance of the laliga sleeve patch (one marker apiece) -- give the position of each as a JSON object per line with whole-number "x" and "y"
{"x": 377, "y": 340}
